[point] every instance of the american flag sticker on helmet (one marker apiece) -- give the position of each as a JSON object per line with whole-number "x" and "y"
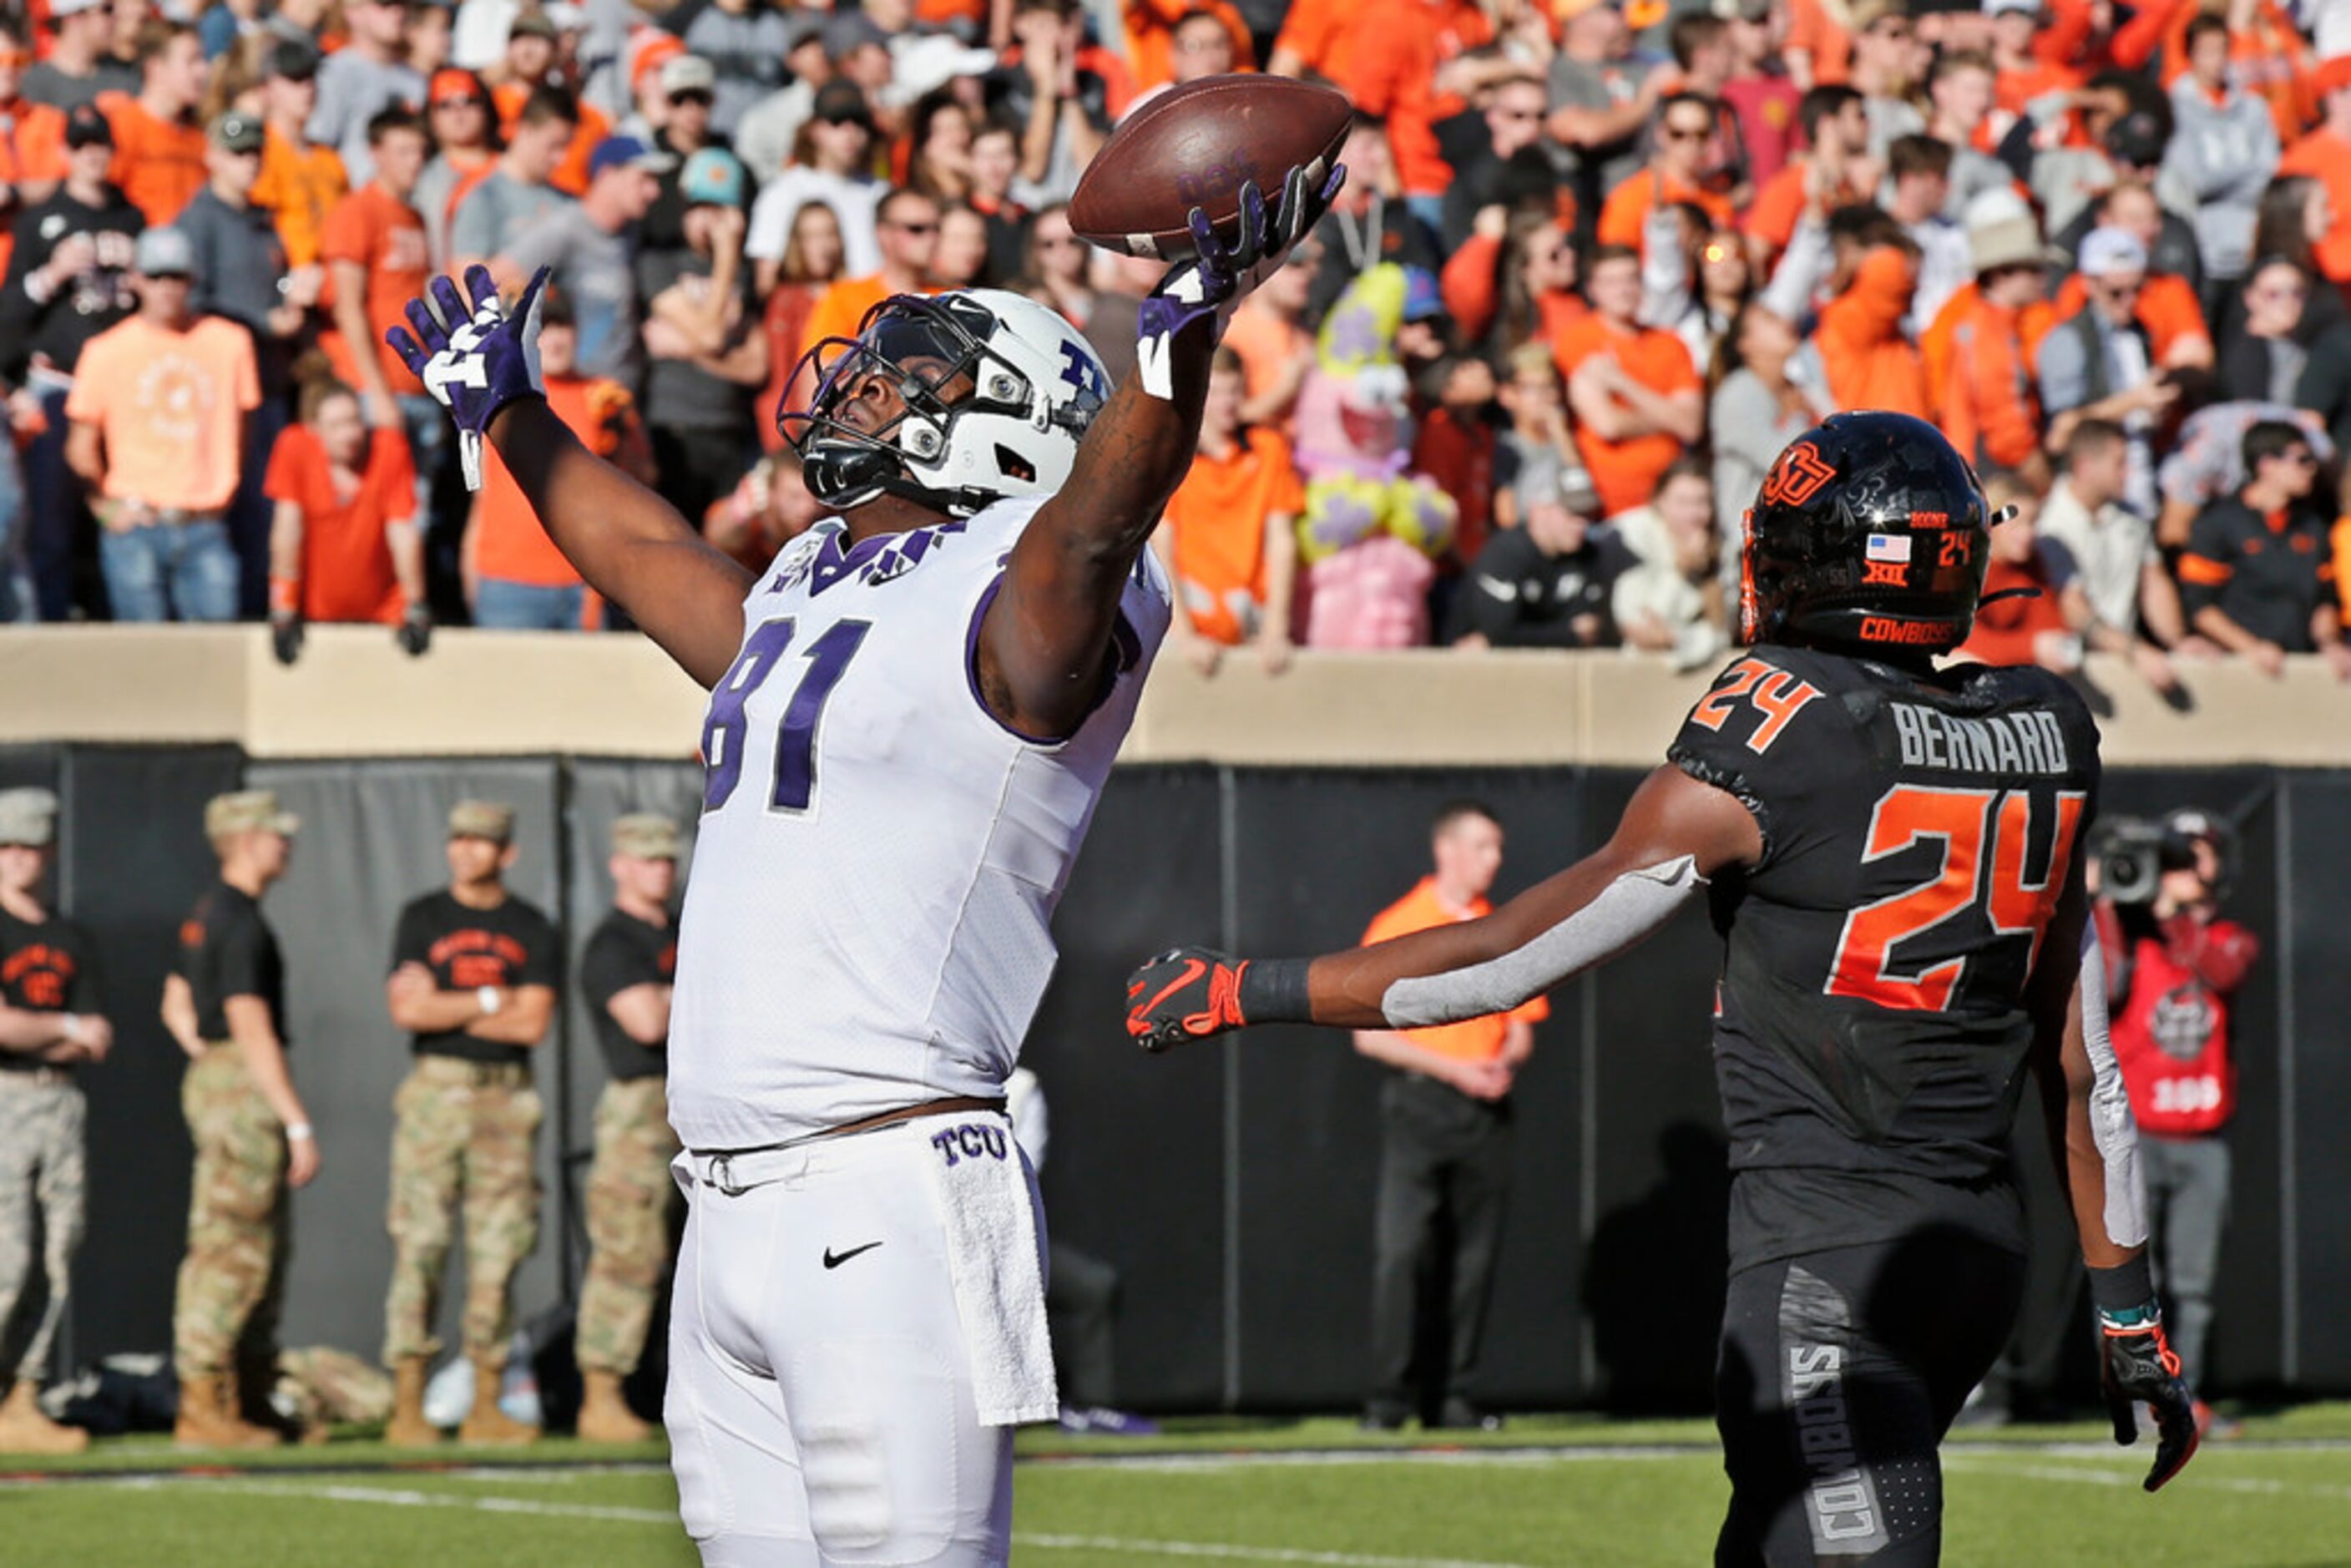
{"x": 1893, "y": 548}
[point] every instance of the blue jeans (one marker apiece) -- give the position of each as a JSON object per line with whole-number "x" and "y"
{"x": 16, "y": 586}
{"x": 54, "y": 502}
{"x": 157, "y": 569}
{"x": 503, "y": 606}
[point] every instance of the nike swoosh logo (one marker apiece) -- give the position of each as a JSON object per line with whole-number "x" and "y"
{"x": 1138, "y": 1019}
{"x": 835, "y": 1260}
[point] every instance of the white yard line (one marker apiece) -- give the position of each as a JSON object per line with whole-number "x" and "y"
{"x": 402, "y": 1497}
{"x": 1236, "y": 1553}
{"x": 2132, "y": 1477}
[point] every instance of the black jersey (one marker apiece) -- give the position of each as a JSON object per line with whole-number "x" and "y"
{"x": 226, "y": 949}
{"x": 49, "y": 968}
{"x": 467, "y": 948}
{"x": 626, "y": 951}
{"x": 1917, "y": 833}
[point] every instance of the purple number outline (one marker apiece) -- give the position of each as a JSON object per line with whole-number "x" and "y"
{"x": 724, "y": 725}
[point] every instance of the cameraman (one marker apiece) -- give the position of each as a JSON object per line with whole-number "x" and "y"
{"x": 2172, "y": 965}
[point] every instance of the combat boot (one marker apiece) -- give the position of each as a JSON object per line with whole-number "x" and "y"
{"x": 208, "y": 1417}
{"x": 408, "y": 1428}
{"x": 604, "y": 1414}
{"x": 487, "y": 1424}
{"x": 25, "y": 1429}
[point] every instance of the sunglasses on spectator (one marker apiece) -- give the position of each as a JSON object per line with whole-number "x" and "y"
{"x": 930, "y": 228}
{"x": 693, "y": 95}
{"x": 1518, "y": 116}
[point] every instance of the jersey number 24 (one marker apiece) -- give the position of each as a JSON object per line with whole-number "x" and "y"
{"x": 1969, "y": 878}
{"x": 724, "y": 726}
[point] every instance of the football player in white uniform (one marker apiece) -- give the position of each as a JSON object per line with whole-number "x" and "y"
{"x": 912, "y": 713}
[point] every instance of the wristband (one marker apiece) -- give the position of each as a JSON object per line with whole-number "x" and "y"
{"x": 2125, "y": 1294}
{"x": 490, "y": 999}
{"x": 1273, "y": 990}
{"x": 72, "y": 1029}
{"x": 297, "y": 1131}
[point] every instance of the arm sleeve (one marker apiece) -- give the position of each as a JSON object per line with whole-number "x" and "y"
{"x": 2205, "y": 567}
{"x": 411, "y": 939}
{"x": 543, "y": 964}
{"x": 236, "y": 959}
{"x": 605, "y": 970}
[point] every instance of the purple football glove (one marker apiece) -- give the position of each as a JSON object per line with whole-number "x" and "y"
{"x": 473, "y": 361}
{"x": 1222, "y": 273}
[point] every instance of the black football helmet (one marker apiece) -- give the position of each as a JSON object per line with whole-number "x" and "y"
{"x": 1870, "y": 535}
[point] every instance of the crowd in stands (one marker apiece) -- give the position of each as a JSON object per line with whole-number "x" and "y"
{"x": 1596, "y": 262}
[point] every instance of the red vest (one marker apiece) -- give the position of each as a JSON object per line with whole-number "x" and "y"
{"x": 2172, "y": 1040}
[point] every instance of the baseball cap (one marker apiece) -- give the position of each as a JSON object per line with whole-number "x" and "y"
{"x": 1422, "y": 300}
{"x": 1741, "y": 10}
{"x": 234, "y": 133}
{"x": 87, "y": 127}
{"x": 62, "y": 8}
{"x": 687, "y": 73}
{"x": 532, "y": 24}
{"x": 628, "y": 152}
{"x": 845, "y": 32}
{"x": 450, "y": 82}
{"x": 648, "y": 835}
{"x": 841, "y": 101}
{"x": 293, "y": 60}
{"x": 650, "y": 54}
{"x": 164, "y": 253}
{"x": 492, "y": 820}
{"x": 566, "y": 18}
{"x": 712, "y": 177}
{"x": 2002, "y": 232}
{"x": 2135, "y": 139}
{"x": 2002, "y": 7}
{"x": 2109, "y": 250}
{"x": 246, "y": 810}
{"x": 28, "y": 816}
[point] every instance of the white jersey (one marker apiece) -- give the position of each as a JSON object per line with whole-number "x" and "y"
{"x": 867, "y": 925}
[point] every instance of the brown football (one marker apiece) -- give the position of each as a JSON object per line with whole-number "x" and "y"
{"x": 1196, "y": 146}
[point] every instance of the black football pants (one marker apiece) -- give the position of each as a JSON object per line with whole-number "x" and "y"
{"x": 1839, "y": 1372}
{"x": 1445, "y": 1173}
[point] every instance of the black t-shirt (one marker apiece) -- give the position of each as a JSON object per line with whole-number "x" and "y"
{"x": 226, "y": 949}
{"x": 1871, "y": 1028}
{"x": 2268, "y": 574}
{"x": 1519, "y": 597}
{"x": 626, "y": 951}
{"x": 467, "y": 948}
{"x": 51, "y": 968}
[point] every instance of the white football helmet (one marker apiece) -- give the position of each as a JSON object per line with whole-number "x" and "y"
{"x": 997, "y": 390}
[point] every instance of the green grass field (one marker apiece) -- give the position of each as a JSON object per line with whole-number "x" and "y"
{"x": 1557, "y": 1491}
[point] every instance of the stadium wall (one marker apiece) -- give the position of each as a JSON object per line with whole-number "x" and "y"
{"x": 1231, "y": 1186}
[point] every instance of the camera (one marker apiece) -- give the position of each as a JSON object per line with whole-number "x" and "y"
{"x": 2132, "y": 855}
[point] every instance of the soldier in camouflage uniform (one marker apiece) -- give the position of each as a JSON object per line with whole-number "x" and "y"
{"x": 626, "y": 974}
{"x": 49, "y": 1024}
{"x": 226, "y": 1004}
{"x": 473, "y": 979}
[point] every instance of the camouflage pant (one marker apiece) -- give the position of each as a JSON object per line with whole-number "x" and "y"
{"x": 630, "y": 1197}
{"x": 40, "y": 1193}
{"x": 232, "y": 1279}
{"x": 465, "y": 1130}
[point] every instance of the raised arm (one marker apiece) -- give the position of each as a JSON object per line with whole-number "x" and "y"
{"x": 1046, "y": 635}
{"x": 631, "y": 547}
{"x": 1674, "y": 833}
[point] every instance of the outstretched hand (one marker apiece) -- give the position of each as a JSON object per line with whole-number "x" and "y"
{"x": 1185, "y": 994}
{"x": 474, "y": 360}
{"x": 1219, "y": 273}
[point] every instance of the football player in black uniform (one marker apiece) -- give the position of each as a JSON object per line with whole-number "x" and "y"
{"x": 1891, "y": 856}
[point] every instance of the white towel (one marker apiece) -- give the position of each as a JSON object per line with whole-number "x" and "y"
{"x": 987, "y": 1197}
